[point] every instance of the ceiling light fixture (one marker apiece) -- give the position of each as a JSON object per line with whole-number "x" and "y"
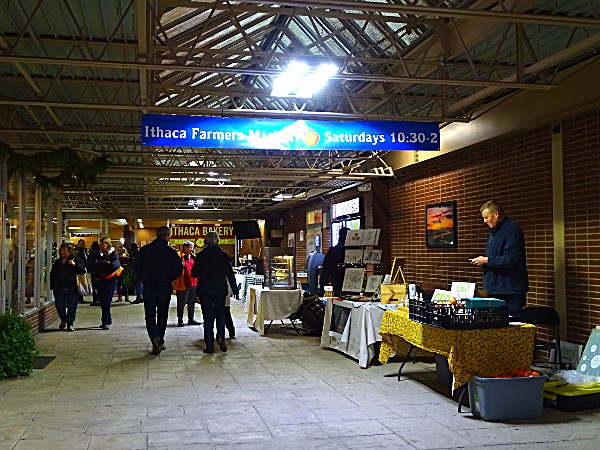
{"x": 300, "y": 80}
{"x": 195, "y": 203}
{"x": 282, "y": 196}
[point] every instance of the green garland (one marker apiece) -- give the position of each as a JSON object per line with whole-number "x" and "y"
{"x": 74, "y": 171}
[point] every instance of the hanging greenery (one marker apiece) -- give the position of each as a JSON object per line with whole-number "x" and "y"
{"x": 74, "y": 171}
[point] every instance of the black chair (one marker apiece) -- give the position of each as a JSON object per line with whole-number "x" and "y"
{"x": 541, "y": 315}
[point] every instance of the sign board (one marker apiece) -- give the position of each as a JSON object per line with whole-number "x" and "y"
{"x": 340, "y": 323}
{"x": 462, "y": 289}
{"x": 589, "y": 364}
{"x": 440, "y": 295}
{"x": 282, "y": 134}
{"x": 196, "y": 232}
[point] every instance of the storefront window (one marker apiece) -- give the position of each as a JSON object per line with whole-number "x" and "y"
{"x": 12, "y": 230}
{"x": 30, "y": 245}
{"x": 42, "y": 242}
{"x": 347, "y": 214}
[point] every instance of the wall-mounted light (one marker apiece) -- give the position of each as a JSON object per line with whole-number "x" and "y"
{"x": 301, "y": 80}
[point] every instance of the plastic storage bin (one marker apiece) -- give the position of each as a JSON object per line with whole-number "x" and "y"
{"x": 507, "y": 398}
{"x": 449, "y": 317}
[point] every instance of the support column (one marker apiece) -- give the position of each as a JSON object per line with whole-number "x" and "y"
{"x": 558, "y": 227}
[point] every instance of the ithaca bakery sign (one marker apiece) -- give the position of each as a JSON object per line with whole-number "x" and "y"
{"x": 197, "y": 232}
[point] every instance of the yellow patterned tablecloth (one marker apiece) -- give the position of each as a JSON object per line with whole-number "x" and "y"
{"x": 481, "y": 352}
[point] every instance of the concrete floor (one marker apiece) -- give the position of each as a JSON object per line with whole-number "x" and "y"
{"x": 280, "y": 391}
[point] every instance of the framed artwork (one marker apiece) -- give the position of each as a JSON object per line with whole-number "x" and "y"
{"x": 353, "y": 256}
{"x": 440, "y": 225}
{"x": 353, "y": 279}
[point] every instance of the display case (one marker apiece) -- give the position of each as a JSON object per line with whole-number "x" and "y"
{"x": 280, "y": 267}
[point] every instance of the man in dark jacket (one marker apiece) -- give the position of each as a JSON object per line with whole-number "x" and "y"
{"x": 505, "y": 266}
{"x": 157, "y": 265}
{"x": 213, "y": 270}
{"x": 333, "y": 264}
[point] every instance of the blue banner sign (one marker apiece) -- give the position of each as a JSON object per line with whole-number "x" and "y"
{"x": 279, "y": 134}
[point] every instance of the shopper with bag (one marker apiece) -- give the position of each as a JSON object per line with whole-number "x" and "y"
{"x": 106, "y": 270}
{"x": 63, "y": 282}
{"x": 185, "y": 285}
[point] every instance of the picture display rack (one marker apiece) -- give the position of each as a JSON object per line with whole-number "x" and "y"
{"x": 356, "y": 258}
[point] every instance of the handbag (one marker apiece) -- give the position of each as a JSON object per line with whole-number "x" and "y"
{"x": 128, "y": 278}
{"x": 394, "y": 292}
{"x": 84, "y": 283}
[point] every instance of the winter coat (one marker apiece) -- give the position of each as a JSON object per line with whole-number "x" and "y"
{"x": 506, "y": 270}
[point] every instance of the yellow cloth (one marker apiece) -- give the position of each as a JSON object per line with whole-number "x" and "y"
{"x": 481, "y": 352}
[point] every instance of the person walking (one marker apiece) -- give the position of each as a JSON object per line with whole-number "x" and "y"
{"x": 92, "y": 256}
{"x": 185, "y": 285}
{"x": 213, "y": 270}
{"x": 63, "y": 282}
{"x": 106, "y": 270}
{"x": 137, "y": 283}
{"x": 122, "y": 289}
{"x": 157, "y": 265}
{"x": 82, "y": 253}
{"x": 505, "y": 264}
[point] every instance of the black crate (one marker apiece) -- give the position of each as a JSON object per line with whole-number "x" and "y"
{"x": 447, "y": 316}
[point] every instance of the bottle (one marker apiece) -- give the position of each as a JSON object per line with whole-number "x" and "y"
{"x": 329, "y": 290}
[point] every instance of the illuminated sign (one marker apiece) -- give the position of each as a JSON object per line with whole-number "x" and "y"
{"x": 279, "y": 134}
{"x": 196, "y": 233}
{"x": 347, "y": 208}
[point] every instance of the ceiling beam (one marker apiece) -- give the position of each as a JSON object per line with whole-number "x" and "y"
{"x": 311, "y": 7}
{"x": 271, "y": 73}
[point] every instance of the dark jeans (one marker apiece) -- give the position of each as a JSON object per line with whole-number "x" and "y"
{"x": 65, "y": 302}
{"x": 187, "y": 297}
{"x": 122, "y": 290}
{"x": 515, "y": 302}
{"x": 229, "y": 321}
{"x": 106, "y": 289}
{"x": 139, "y": 289}
{"x": 213, "y": 308}
{"x": 156, "y": 307}
{"x": 95, "y": 292}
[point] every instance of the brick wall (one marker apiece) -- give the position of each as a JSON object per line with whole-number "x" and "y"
{"x": 581, "y": 151}
{"x": 41, "y": 318}
{"x": 515, "y": 170}
{"x": 294, "y": 220}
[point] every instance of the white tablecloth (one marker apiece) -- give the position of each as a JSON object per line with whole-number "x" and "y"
{"x": 270, "y": 305}
{"x": 360, "y": 333}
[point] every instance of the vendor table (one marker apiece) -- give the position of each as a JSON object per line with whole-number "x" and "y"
{"x": 360, "y": 333}
{"x": 271, "y": 305}
{"x": 246, "y": 281}
{"x": 482, "y": 352}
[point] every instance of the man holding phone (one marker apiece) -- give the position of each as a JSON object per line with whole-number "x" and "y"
{"x": 505, "y": 266}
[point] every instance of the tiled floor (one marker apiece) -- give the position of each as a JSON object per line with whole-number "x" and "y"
{"x": 281, "y": 391}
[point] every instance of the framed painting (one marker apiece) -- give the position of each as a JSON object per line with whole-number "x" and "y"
{"x": 440, "y": 225}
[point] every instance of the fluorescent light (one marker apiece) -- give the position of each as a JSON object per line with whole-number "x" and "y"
{"x": 300, "y": 81}
{"x": 282, "y": 196}
{"x": 289, "y": 79}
